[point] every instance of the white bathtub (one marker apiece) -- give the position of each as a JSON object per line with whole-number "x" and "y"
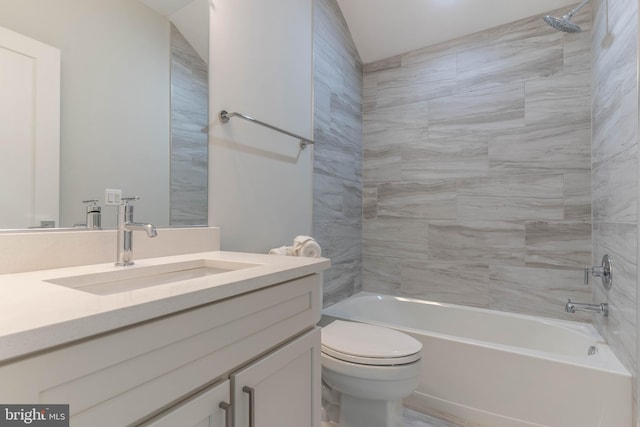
{"x": 493, "y": 369}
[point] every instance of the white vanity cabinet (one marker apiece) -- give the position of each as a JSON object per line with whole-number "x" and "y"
{"x": 176, "y": 370}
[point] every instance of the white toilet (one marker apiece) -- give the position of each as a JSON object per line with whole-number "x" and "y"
{"x": 373, "y": 368}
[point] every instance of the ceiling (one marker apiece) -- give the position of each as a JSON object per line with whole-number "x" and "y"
{"x": 380, "y": 27}
{"x": 191, "y": 19}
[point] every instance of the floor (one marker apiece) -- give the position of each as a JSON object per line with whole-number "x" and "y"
{"x": 415, "y": 419}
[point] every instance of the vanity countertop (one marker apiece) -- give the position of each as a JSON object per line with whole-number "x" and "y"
{"x": 36, "y": 314}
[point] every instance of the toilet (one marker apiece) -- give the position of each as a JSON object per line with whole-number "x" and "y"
{"x": 373, "y": 368}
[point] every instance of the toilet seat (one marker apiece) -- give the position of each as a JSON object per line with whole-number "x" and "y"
{"x": 366, "y": 344}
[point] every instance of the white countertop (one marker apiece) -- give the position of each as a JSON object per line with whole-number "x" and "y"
{"x": 36, "y": 314}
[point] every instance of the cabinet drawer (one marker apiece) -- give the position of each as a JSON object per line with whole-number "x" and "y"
{"x": 122, "y": 377}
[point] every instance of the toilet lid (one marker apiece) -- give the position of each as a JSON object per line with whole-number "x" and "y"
{"x": 368, "y": 344}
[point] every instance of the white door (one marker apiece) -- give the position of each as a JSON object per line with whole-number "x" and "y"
{"x": 29, "y": 131}
{"x": 281, "y": 389}
{"x": 208, "y": 409}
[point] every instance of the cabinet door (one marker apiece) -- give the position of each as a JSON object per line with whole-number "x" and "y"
{"x": 206, "y": 409}
{"x": 282, "y": 388}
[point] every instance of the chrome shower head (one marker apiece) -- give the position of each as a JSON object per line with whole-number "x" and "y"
{"x": 564, "y": 23}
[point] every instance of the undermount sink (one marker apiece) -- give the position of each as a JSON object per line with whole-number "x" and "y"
{"x": 132, "y": 278}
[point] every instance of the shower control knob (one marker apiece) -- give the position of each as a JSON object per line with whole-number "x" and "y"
{"x": 605, "y": 271}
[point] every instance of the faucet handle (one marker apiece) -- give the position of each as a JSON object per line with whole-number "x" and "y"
{"x": 92, "y": 205}
{"x": 126, "y": 200}
{"x": 605, "y": 271}
{"x": 125, "y": 210}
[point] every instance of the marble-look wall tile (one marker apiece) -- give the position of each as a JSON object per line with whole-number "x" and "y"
{"x": 445, "y": 155}
{"x": 466, "y": 284}
{"x": 328, "y": 192}
{"x": 341, "y": 281}
{"x": 620, "y": 326}
{"x": 338, "y": 193}
{"x": 471, "y": 207}
{"x": 614, "y": 172}
{"x": 483, "y": 242}
{"x": 389, "y": 127}
{"x": 409, "y": 83}
{"x": 491, "y": 131}
{"x": 383, "y": 64}
{"x": 540, "y": 149}
{"x": 382, "y": 164}
{"x": 615, "y": 104}
{"x": 577, "y": 49}
{"x": 613, "y": 130}
{"x": 518, "y": 197}
{"x": 381, "y": 274}
{"x": 369, "y": 202}
{"x": 577, "y": 195}
{"x": 558, "y": 99}
{"x": 539, "y": 291}
{"x": 615, "y": 185}
{"x": 540, "y": 186}
{"x": 406, "y": 239}
{"x": 433, "y": 200}
{"x": 558, "y": 244}
{"x": 484, "y": 109}
{"x": 369, "y": 93}
{"x": 189, "y": 97}
{"x": 502, "y": 62}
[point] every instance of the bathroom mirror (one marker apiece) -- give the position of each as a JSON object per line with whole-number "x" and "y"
{"x": 133, "y": 105}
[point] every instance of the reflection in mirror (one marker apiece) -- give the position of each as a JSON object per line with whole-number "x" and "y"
{"x": 133, "y": 105}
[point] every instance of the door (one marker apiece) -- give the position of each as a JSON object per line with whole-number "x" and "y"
{"x": 207, "y": 409}
{"x": 29, "y": 131}
{"x": 282, "y": 388}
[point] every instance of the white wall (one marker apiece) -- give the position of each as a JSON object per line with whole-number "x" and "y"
{"x": 260, "y": 182}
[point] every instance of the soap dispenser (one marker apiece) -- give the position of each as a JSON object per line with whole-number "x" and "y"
{"x": 93, "y": 214}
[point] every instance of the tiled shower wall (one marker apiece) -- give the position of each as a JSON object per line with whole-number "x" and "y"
{"x": 615, "y": 169}
{"x": 337, "y": 166}
{"x": 189, "y": 137}
{"x": 477, "y": 170}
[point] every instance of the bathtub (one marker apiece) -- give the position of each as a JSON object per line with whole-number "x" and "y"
{"x": 491, "y": 369}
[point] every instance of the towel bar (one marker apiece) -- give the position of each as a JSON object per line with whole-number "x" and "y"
{"x": 224, "y": 117}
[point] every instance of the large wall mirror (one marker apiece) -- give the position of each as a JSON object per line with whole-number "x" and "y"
{"x": 133, "y": 106}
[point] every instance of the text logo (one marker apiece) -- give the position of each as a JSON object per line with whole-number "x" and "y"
{"x": 34, "y": 415}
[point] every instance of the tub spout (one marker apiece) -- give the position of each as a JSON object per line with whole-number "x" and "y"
{"x": 572, "y": 307}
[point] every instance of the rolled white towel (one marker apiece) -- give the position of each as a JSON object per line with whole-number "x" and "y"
{"x": 306, "y": 246}
{"x": 283, "y": 250}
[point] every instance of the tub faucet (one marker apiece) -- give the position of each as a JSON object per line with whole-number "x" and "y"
{"x": 602, "y": 309}
{"x": 126, "y": 227}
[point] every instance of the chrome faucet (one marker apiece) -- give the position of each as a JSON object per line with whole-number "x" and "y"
{"x": 126, "y": 226}
{"x": 602, "y": 309}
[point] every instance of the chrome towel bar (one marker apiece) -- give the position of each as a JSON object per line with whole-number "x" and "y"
{"x": 224, "y": 117}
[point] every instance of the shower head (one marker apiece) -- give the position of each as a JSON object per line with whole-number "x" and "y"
{"x": 564, "y": 23}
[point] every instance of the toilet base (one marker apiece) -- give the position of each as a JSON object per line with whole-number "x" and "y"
{"x": 356, "y": 412}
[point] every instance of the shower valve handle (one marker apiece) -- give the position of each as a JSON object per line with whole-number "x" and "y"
{"x": 596, "y": 271}
{"x": 605, "y": 271}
